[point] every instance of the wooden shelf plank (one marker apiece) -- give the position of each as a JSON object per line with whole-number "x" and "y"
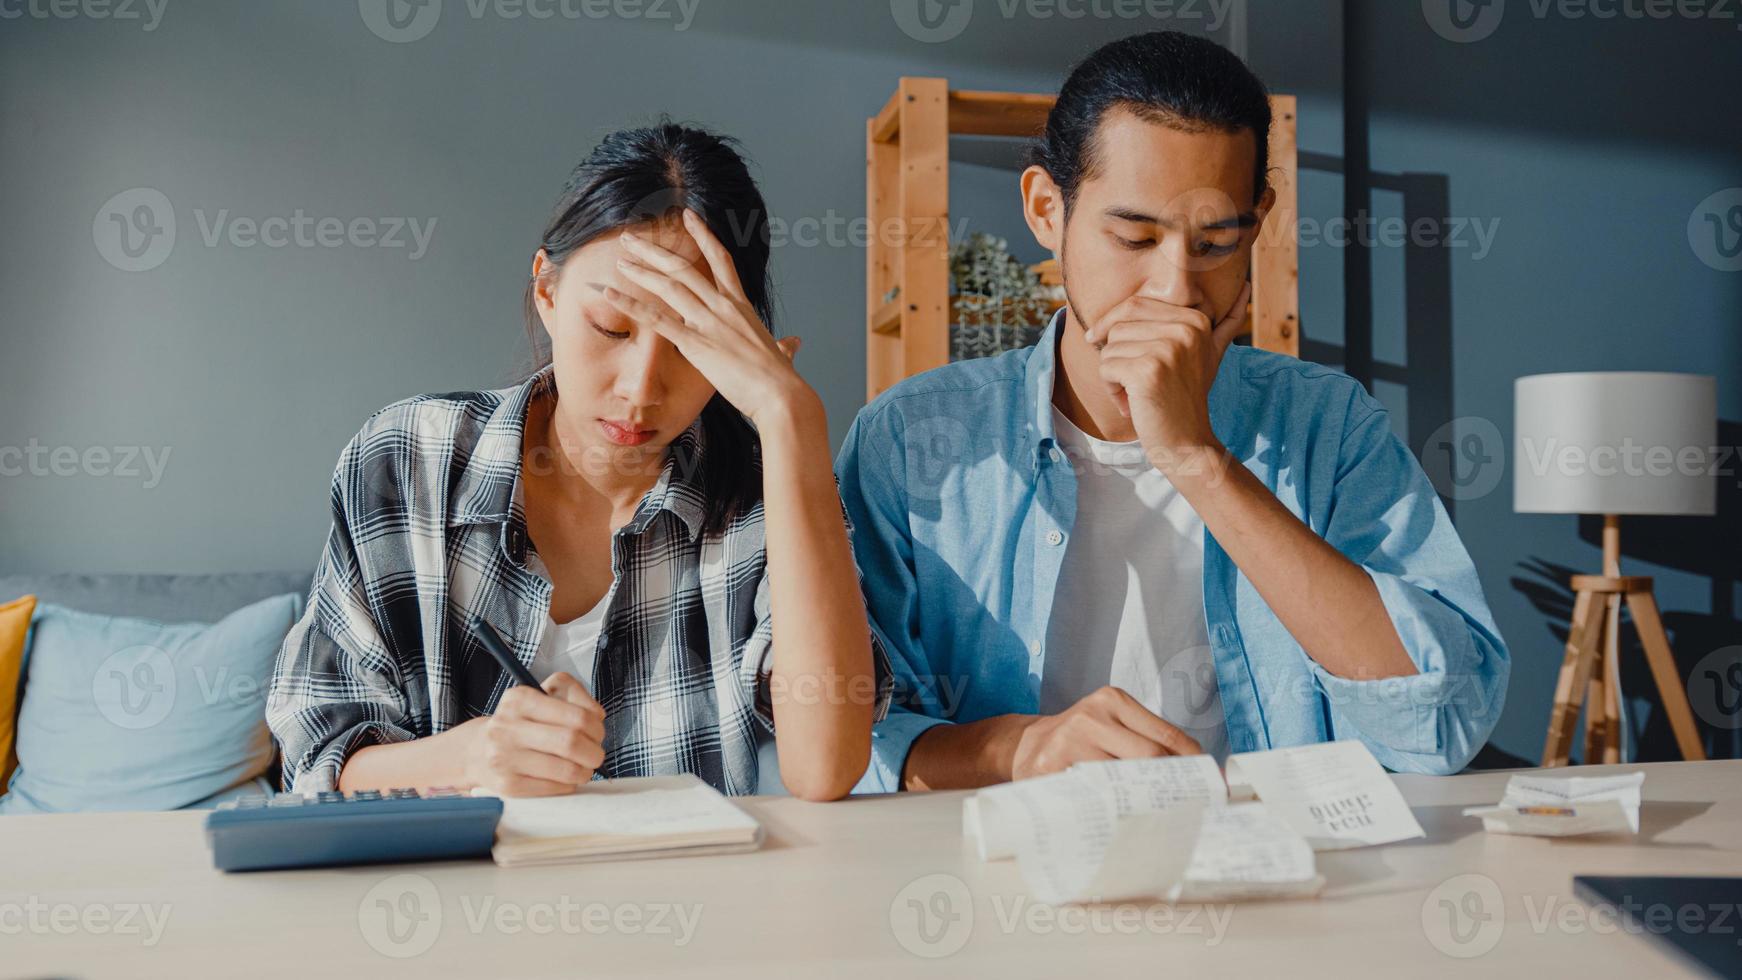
{"x": 887, "y": 123}
{"x": 998, "y": 113}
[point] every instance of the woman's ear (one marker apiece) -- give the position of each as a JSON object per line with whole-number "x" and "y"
{"x": 543, "y": 287}
{"x": 1043, "y": 207}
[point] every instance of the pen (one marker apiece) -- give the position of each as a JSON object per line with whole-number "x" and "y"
{"x": 492, "y": 641}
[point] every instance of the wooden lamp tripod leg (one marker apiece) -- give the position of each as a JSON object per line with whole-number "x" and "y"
{"x": 1664, "y": 672}
{"x": 1582, "y": 641}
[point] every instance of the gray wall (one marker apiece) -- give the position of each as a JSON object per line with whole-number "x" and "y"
{"x": 250, "y": 366}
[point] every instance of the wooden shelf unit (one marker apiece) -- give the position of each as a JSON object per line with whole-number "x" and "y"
{"x": 907, "y": 202}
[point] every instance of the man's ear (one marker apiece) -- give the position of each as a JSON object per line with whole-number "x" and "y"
{"x": 1266, "y": 201}
{"x": 1043, "y": 207}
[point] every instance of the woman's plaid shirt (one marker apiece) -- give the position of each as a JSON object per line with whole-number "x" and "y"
{"x": 428, "y": 532}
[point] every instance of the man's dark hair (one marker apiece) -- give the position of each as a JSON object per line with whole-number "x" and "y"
{"x": 1165, "y": 77}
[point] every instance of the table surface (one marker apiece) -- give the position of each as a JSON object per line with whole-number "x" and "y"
{"x": 875, "y": 886}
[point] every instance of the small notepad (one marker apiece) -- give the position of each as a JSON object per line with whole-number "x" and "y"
{"x": 614, "y": 819}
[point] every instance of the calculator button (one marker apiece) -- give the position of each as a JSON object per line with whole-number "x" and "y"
{"x": 365, "y": 794}
{"x": 248, "y": 802}
{"x": 402, "y": 793}
{"x": 442, "y": 793}
{"x": 287, "y": 800}
{"x": 330, "y": 796}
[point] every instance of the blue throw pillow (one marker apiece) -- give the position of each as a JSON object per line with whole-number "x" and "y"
{"x": 131, "y": 714}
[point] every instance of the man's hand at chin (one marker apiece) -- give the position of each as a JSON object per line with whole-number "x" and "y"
{"x": 1159, "y": 361}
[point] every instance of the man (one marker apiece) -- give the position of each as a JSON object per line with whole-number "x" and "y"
{"x": 1135, "y": 539}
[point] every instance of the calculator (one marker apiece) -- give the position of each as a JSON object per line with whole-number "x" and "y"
{"x": 260, "y": 833}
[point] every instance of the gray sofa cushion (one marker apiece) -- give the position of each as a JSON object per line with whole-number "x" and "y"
{"x": 166, "y": 598}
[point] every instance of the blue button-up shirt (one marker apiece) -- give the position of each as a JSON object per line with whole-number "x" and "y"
{"x": 962, "y": 505}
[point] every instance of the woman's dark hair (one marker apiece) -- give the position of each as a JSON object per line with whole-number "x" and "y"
{"x": 636, "y": 176}
{"x": 1164, "y": 77}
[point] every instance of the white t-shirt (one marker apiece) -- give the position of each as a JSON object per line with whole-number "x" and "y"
{"x": 1129, "y": 606}
{"x": 571, "y": 646}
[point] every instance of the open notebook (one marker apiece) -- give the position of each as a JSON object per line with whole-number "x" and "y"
{"x": 639, "y": 817}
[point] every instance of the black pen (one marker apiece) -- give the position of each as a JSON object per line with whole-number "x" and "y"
{"x": 492, "y": 641}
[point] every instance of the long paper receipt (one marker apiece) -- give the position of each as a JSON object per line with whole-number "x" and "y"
{"x": 1142, "y": 828}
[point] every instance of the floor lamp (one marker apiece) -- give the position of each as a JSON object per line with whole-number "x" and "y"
{"x": 1614, "y": 443}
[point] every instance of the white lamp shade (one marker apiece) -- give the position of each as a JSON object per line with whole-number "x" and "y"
{"x": 1615, "y": 442}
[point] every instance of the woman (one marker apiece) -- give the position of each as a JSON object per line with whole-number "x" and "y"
{"x": 632, "y": 520}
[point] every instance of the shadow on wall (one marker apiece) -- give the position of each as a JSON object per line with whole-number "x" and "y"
{"x": 1707, "y": 645}
{"x": 1426, "y": 376}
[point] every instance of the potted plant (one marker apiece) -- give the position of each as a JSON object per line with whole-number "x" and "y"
{"x": 997, "y": 303}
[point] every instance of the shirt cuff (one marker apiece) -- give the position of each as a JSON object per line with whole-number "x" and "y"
{"x": 1404, "y": 720}
{"x": 891, "y": 740}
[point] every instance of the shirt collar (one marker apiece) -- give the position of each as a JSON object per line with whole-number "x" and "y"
{"x": 1041, "y": 373}
{"x": 489, "y": 489}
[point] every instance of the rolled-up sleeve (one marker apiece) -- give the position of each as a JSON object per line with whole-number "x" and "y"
{"x": 1387, "y": 517}
{"x": 335, "y": 688}
{"x": 877, "y": 517}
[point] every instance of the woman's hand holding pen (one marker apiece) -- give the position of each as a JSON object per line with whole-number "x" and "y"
{"x": 542, "y": 741}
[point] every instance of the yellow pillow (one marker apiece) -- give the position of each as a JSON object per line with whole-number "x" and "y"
{"x": 14, "y": 623}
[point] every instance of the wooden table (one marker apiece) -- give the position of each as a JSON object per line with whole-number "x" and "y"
{"x": 879, "y": 887}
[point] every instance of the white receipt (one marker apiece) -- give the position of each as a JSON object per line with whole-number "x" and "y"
{"x": 1155, "y": 828}
{"x": 1245, "y": 851}
{"x": 998, "y": 817}
{"x": 1565, "y": 806}
{"x": 1334, "y": 794}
